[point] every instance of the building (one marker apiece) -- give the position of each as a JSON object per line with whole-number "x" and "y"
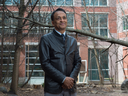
{"x": 122, "y": 27}
{"x": 102, "y": 20}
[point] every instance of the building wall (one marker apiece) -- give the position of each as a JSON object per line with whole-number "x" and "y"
{"x": 77, "y": 9}
{"x": 122, "y": 11}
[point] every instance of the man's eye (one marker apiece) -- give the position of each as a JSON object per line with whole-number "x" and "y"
{"x": 57, "y": 18}
{"x": 64, "y": 18}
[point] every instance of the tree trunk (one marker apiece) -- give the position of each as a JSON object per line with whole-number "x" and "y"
{"x": 96, "y": 56}
{"x": 15, "y": 77}
{"x": 2, "y": 39}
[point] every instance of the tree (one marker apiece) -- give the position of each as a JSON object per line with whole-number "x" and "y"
{"x": 28, "y": 21}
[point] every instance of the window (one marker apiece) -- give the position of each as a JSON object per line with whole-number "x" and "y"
{"x": 98, "y": 23}
{"x": 10, "y": 2}
{"x": 8, "y": 59}
{"x": 9, "y": 23}
{"x": 54, "y": 2}
{"x": 95, "y": 2}
{"x": 44, "y": 18}
{"x": 70, "y": 19}
{"x": 83, "y": 72}
{"x": 92, "y": 66}
{"x": 125, "y": 23}
{"x": 31, "y": 54}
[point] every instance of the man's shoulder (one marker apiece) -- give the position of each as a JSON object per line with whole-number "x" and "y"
{"x": 47, "y": 35}
{"x": 71, "y": 37}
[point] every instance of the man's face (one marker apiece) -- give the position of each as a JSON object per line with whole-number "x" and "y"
{"x": 60, "y": 21}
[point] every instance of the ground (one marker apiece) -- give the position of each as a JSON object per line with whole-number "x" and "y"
{"x": 82, "y": 91}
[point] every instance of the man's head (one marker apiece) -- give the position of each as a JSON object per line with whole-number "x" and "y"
{"x": 59, "y": 19}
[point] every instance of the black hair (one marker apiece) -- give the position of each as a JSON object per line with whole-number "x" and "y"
{"x": 59, "y": 9}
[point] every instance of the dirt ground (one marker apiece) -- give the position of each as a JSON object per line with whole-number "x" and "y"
{"x": 97, "y": 91}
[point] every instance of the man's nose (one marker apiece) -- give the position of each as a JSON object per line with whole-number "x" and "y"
{"x": 61, "y": 19}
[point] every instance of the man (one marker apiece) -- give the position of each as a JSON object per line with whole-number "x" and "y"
{"x": 59, "y": 57}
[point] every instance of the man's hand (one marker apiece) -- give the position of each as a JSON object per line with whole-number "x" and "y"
{"x": 68, "y": 83}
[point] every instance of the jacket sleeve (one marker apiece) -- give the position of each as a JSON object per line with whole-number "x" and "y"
{"x": 50, "y": 70}
{"x": 77, "y": 64}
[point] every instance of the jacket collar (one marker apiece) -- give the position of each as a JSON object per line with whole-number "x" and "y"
{"x": 57, "y": 34}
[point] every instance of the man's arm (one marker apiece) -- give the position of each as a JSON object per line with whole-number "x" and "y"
{"x": 74, "y": 73}
{"x": 77, "y": 63}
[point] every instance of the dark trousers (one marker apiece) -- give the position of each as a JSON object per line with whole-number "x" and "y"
{"x": 63, "y": 93}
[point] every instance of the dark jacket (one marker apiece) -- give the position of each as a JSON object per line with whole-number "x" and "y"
{"x": 58, "y": 60}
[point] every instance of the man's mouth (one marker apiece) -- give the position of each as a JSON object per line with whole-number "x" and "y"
{"x": 62, "y": 24}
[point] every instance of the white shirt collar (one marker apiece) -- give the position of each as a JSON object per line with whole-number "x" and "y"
{"x": 60, "y": 33}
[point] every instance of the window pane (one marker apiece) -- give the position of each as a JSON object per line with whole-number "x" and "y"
{"x": 84, "y": 21}
{"x": 97, "y": 22}
{"x": 5, "y": 61}
{"x": 36, "y": 67}
{"x": 105, "y": 73}
{"x": 5, "y": 74}
{"x": 70, "y": 19}
{"x": 6, "y": 30}
{"x": 96, "y": 19}
{"x": 32, "y": 54}
{"x": 103, "y": 2}
{"x": 32, "y": 47}
{"x": 37, "y": 74}
{"x": 34, "y": 30}
{"x": 125, "y": 23}
{"x": 15, "y": 21}
{"x": 6, "y": 20}
{"x": 91, "y": 19}
{"x": 32, "y": 61}
{"x": 8, "y": 2}
{"x": 92, "y": 60}
{"x": 43, "y": 2}
{"x": 86, "y": 1}
{"x": 68, "y": 2}
{"x": 96, "y": 31}
{"x": 16, "y": 1}
{"x": 33, "y": 2}
{"x": 7, "y": 67}
{"x": 7, "y": 54}
{"x": 93, "y": 75}
{"x": 51, "y": 2}
{"x": 45, "y": 18}
{"x": 60, "y": 2}
{"x": 103, "y": 32}
{"x": 81, "y": 78}
{"x": 35, "y": 17}
{"x": 9, "y": 48}
{"x": 104, "y": 59}
{"x": 83, "y": 66}
{"x": 94, "y": 2}
{"x": 103, "y": 20}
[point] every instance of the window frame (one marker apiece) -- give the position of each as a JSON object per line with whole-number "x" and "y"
{"x": 46, "y": 29}
{"x": 82, "y": 4}
{"x": 125, "y": 23}
{"x": 96, "y": 69}
{"x": 99, "y": 28}
{"x": 26, "y": 57}
{"x": 47, "y": 4}
{"x": 38, "y": 28}
{"x": 6, "y": 57}
{"x": 11, "y": 2}
{"x": 10, "y": 26}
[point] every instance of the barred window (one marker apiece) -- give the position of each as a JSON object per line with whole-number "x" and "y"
{"x": 98, "y": 23}
{"x": 95, "y": 2}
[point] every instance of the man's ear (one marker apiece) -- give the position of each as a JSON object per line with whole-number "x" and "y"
{"x": 52, "y": 23}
